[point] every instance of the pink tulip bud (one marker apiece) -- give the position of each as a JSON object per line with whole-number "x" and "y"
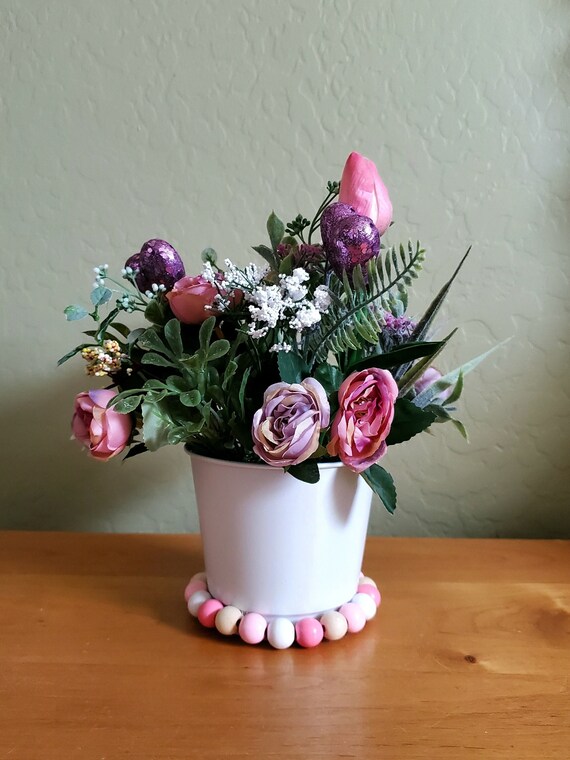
{"x": 362, "y": 188}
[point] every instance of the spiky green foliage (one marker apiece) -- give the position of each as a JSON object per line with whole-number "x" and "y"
{"x": 354, "y": 318}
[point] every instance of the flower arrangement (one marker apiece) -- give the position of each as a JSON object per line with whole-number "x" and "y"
{"x": 310, "y": 357}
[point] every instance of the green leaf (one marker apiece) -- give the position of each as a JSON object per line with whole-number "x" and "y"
{"x": 209, "y": 256}
{"x": 100, "y": 295}
{"x": 156, "y": 426}
{"x": 241, "y": 393}
{"x": 406, "y": 353}
{"x": 191, "y": 398}
{"x": 218, "y": 349}
{"x": 102, "y": 331}
{"x": 329, "y": 377}
{"x": 173, "y": 336}
{"x": 153, "y": 384}
{"x": 307, "y": 471}
{"x": 408, "y": 421}
{"x": 286, "y": 264}
{"x": 451, "y": 378}
{"x": 177, "y": 383}
{"x": 276, "y": 230}
{"x": 156, "y": 359}
{"x": 155, "y": 312}
{"x": 444, "y": 416}
{"x": 127, "y": 405}
{"x": 121, "y": 329}
{"x": 151, "y": 339}
{"x": 382, "y": 483}
{"x": 71, "y": 353}
{"x": 74, "y": 312}
{"x": 292, "y": 368}
{"x": 205, "y": 334}
{"x": 407, "y": 381}
{"x": 266, "y": 253}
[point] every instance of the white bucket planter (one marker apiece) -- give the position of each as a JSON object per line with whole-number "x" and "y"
{"x": 278, "y": 546}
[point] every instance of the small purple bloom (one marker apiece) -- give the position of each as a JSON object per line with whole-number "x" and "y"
{"x": 286, "y": 429}
{"x": 396, "y": 331}
{"x": 157, "y": 262}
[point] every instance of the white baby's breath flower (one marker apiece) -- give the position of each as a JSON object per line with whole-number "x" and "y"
{"x": 306, "y": 317}
{"x": 322, "y": 298}
{"x": 277, "y": 347}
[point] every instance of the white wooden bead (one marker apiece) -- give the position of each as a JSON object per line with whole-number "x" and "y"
{"x": 196, "y": 601}
{"x": 227, "y": 620}
{"x": 281, "y": 633}
{"x": 335, "y": 625}
{"x": 366, "y": 603}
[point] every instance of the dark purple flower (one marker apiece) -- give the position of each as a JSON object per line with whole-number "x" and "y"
{"x": 396, "y": 331}
{"x": 306, "y": 256}
{"x": 157, "y": 262}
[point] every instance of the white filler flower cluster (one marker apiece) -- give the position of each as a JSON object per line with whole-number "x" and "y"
{"x": 284, "y": 306}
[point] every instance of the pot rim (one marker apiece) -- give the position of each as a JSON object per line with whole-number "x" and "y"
{"x": 246, "y": 465}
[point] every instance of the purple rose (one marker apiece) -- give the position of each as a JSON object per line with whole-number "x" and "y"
{"x": 286, "y": 429}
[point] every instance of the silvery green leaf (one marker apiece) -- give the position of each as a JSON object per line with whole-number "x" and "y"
{"x": 74, "y": 312}
{"x": 100, "y": 295}
{"x": 156, "y": 427}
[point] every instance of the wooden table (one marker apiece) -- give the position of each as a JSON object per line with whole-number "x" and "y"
{"x": 468, "y": 658}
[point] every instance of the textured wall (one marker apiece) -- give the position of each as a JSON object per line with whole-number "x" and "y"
{"x": 122, "y": 121}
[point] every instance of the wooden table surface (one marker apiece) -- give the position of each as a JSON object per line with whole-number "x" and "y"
{"x": 469, "y": 657}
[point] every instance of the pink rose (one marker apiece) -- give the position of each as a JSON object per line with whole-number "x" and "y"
{"x": 362, "y": 423}
{"x": 362, "y": 188}
{"x": 286, "y": 429}
{"x": 430, "y": 376}
{"x": 188, "y": 298}
{"x": 104, "y": 431}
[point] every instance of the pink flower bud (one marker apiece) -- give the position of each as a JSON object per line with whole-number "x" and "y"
{"x": 362, "y": 188}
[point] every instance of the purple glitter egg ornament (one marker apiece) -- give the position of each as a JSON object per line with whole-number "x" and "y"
{"x": 353, "y": 240}
{"x": 331, "y": 216}
{"x": 157, "y": 262}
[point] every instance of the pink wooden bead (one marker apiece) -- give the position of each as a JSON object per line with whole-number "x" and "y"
{"x": 252, "y": 628}
{"x": 354, "y": 615}
{"x": 309, "y": 632}
{"x": 194, "y": 586}
{"x": 208, "y": 611}
{"x": 367, "y": 588}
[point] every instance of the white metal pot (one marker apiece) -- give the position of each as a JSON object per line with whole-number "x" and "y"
{"x": 278, "y": 546}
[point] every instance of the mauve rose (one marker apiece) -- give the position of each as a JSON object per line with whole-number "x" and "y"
{"x": 362, "y": 423}
{"x": 103, "y": 431}
{"x": 188, "y": 298}
{"x": 362, "y": 188}
{"x": 286, "y": 429}
{"x": 430, "y": 376}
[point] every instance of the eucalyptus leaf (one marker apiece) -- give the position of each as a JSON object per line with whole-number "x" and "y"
{"x": 75, "y": 312}
{"x": 100, "y": 295}
{"x": 209, "y": 256}
{"x": 382, "y": 483}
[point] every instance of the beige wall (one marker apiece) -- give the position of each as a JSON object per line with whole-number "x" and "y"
{"x": 122, "y": 121}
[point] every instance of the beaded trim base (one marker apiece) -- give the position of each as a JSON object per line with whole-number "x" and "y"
{"x": 281, "y": 632}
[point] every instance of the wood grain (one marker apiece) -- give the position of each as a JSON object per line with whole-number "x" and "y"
{"x": 468, "y": 658}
